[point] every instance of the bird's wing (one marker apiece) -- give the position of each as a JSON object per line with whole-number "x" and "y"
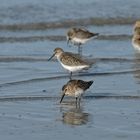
{"x": 72, "y": 60}
{"x": 84, "y": 34}
{"x": 84, "y": 84}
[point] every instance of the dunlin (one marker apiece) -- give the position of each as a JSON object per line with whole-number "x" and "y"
{"x": 136, "y": 42}
{"x": 79, "y": 36}
{"x": 75, "y": 88}
{"x": 69, "y": 61}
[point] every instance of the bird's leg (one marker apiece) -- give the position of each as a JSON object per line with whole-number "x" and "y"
{"x": 79, "y": 49}
{"x": 78, "y": 102}
{"x": 70, "y": 75}
{"x": 69, "y": 43}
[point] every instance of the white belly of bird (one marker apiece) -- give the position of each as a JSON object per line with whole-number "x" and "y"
{"x": 79, "y": 92}
{"x": 74, "y": 68}
{"x": 78, "y": 40}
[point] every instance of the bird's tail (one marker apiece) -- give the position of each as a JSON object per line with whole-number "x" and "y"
{"x": 89, "y": 83}
{"x": 96, "y": 34}
{"x": 85, "y": 85}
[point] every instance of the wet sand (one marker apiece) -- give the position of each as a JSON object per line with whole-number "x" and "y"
{"x": 46, "y": 119}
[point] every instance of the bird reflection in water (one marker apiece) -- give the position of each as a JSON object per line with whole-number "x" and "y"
{"x": 75, "y": 116}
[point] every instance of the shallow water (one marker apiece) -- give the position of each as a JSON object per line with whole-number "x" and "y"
{"x": 29, "y": 89}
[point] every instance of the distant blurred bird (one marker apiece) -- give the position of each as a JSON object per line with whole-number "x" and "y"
{"x": 136, "y": 36}
{"x": 79, "y": 36}
{"x": 75, "y": 88}
{"x": 137, "y": 25}
{"x": 136, "y": 42}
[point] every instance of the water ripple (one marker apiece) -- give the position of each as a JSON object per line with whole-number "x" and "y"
{"x": 57, "y": 77}
{"x": 41, "y": 58}
{"x": 69, "y": 23}
{"x": 58, "y": 38}
{"x": 34, "y": 97}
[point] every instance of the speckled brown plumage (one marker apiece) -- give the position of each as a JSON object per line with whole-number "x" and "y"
{"x": 71, "y": 60}
{"x": 80, "y": 33}
{"x": 75, "y": 88}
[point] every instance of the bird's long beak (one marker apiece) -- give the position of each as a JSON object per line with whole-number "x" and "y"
{"x": 51, "y": 57}
{"x": 62, "y": 97}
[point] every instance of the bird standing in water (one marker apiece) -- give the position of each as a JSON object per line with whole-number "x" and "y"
{"x": 75, "y": 88}
{"x": 69, "y": 61}
{"x": 79, "y": 36}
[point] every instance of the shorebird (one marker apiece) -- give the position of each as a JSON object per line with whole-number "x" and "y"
{"x": 75, "y": 88}
{"x": 136, "y": 42}
{"x": 79, "y": 36}
{"x": 69, "y": 61}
